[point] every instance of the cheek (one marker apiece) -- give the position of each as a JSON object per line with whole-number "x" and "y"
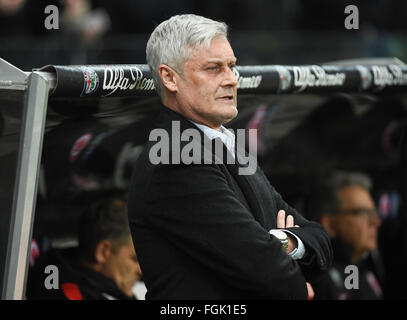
{"x": 351, "y": 230}
{"x": 129, "y": 267}
{"x": 206, "y": 86}
{"x": 198, "y": 95}
{"x": 361, "y": 233}
{"x": 207, "y": 93}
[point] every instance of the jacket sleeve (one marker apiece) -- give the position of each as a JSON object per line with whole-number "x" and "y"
{"x": 318, "y": 248}
{"x": 193, "y": 207}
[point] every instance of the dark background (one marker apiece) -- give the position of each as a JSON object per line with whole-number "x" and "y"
{"x": 304, "y": 136}
{"x": 262, "y": 31}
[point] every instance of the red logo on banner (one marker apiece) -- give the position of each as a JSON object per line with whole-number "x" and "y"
{"x": 79, "y": 145}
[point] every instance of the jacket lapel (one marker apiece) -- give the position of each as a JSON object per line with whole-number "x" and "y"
{"x": 246, "y": 183}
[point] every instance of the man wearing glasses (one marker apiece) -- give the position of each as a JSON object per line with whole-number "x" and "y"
{"x": 345, "y": 208}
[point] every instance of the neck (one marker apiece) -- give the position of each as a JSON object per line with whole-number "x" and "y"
{"x": 171, "y": 103}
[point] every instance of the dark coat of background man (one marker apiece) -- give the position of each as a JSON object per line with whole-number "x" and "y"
{"x": 201, "y": 231}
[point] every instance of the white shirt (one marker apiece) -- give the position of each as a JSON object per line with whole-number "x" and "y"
{"x": 228, "y": 139}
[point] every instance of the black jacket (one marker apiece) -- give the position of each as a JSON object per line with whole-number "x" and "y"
{"x": 75, "y": 281}
{"x": 201, "y": 231}
{"x": 366, "y": 282}
{"x": 93, "y": 285}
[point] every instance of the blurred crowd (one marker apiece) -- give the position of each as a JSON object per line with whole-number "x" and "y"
{"x": 265, "y": 32}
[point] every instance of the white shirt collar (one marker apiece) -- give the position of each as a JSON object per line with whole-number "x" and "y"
{"x": 227, "y": 136}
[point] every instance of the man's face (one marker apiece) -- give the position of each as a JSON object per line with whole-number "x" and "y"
{"x": 357, "y": 223}
{"x": 123, "y": 267}
{"x": 207, "y": 86}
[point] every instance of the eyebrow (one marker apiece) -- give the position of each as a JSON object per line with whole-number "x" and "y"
{"x": 219, "y": 61}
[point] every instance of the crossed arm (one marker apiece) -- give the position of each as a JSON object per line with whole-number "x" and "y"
{"x": 208, "y": 224}
{"x": 283, "y": 223}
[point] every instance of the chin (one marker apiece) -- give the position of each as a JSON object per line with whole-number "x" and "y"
{"x": 230, "y": 115}
{"x": 232, "y": 110}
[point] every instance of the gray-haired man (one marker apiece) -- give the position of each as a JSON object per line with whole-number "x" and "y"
{"x": 201, "y": 229}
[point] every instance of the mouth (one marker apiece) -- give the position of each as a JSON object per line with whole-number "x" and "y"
{"x": 227, "y": 98}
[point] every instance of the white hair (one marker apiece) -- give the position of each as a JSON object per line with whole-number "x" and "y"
{"x": 172, "y": 40}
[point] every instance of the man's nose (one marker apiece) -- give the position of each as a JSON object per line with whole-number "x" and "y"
{"x": 229, "y": 78}
{"x": 375, "y": 220}
{"x": 137, "y": 270}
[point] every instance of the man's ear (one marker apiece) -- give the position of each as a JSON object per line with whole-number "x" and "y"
{"x": 168, "y": 79}
{"x": 328, "y": 222}
{"x": 103, "y": 251}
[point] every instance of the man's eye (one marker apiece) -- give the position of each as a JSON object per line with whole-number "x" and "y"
{"x": 213, "y": 68}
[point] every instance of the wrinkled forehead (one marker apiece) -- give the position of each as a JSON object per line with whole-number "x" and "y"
{"x": 218, "y": 48}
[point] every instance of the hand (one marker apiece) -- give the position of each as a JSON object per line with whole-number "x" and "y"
{"x": 282, "y": 223}
{"x": 311, "y": 293}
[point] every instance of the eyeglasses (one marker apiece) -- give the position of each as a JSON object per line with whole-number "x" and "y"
{"x": 362, "y": 212}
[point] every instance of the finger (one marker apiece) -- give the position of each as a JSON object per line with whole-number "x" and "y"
{"x": 281, "y": 219}
{"x": 290, "y": 221}
{"x": 311, "y": 293}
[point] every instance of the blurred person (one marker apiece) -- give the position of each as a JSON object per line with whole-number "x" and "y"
{"x": 11, "y": 7}
{"x": 222, "y": 235}
{"x": 103, "y": 267}
{"x": 24, "y": 38}
{"x": 344, "y": 206}
{"x": 107, "y": 254}
{"x": 15, "y": 20}
{"x": 79, "y": 18}
{"x": 83, "y": 24}
{"x": 23, "y": 18}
